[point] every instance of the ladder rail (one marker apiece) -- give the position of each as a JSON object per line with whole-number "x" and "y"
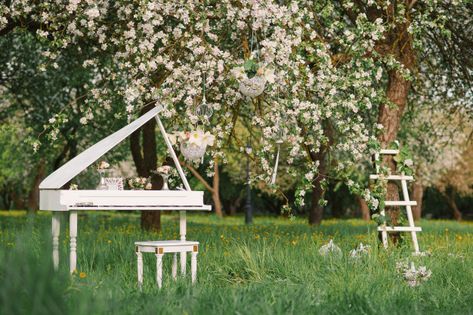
{"x": 410, "y": 217}
{"x": 383, "y": 228}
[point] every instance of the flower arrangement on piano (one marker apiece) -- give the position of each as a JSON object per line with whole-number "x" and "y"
{"x": 139, "y": 183}
{"x": 164, "y": 171}
{"x": 193, "y": 143}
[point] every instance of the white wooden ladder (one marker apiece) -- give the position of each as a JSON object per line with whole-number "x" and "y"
{"x": 384, "y": 229}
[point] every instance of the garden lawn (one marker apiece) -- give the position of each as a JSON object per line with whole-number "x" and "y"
{"x": 270, "y": 267}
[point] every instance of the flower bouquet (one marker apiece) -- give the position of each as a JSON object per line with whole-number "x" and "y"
{"x": 193, "y": 143}
{"x": 139, "y": 183}
{"x": 252, "y": 77}
{"x": 164, "y": 171}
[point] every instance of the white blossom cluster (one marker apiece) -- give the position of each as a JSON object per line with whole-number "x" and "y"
{"x": 325, "y": 74}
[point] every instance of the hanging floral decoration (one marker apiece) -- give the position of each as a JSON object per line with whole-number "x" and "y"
{"x": 252, "y": 77}
{"x": 192, "y": 143}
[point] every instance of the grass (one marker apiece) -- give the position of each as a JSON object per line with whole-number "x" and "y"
{"x": 271, "y": 267}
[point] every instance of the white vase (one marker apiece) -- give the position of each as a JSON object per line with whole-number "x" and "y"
{"x": 193, "y": 152}
{"x": 102, "y": 185}
{"x": 253, "y": 87}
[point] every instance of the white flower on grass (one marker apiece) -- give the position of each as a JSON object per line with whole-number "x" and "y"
{"x": 414, "y": 276}
{"x": 361, "y": 250}
{"x": 330, "y": 249}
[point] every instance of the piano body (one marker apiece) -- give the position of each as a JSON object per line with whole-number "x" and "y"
{"x": 53, "y": 198}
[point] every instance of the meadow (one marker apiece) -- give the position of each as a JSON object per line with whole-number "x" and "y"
{"x": 270, "y": 267}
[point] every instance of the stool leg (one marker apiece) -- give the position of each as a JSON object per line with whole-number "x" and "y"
{"x": 139, "y": 257}
{"x": 194, "y": 267}
{"x": 183, "y": 263}
{"x": 174, "y": 266}
{"x": 159, "y": 269}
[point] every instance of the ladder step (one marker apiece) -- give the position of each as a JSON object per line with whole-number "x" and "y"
{"x": 394, "y": 177}
{"x": 400, "y": 229}
{"x": 400, "y": 203}
{"x": 389, "y": 152}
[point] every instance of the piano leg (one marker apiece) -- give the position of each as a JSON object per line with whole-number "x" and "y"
{"x": 55, "y": 229}
{"x": 73, "y": 240}
{"x": 182, "y": 232}
{"x": 140, "y": 268}
{"x": 159, "y": 270}
{"x": 194, "y": 267}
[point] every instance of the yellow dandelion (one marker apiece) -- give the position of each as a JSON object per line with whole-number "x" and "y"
{"x": 82, "y": 275}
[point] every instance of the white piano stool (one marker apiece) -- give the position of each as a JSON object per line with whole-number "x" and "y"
{"x": 163, "y": 247}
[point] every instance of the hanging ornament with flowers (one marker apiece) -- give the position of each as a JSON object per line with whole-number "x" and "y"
{"x": 252, "y": 75}
{"x": 192, "y": 144}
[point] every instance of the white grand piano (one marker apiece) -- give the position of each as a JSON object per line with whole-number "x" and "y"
{"x": 53, "y": 198}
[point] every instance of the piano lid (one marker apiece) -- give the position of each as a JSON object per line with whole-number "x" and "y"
{"x": 69, "y": 170}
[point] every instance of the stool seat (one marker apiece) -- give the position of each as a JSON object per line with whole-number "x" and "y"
{"x": 168, "y": 246}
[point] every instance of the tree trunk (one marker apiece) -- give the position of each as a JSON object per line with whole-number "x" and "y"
{"x": 364, "y": 209}
{"x": 216, "y": 190}
{"x": 453, "y": 205}
{"x": 316, "y": 211}
{"x": 398, "y": 44}
{"x": 33, "y": 196}
{"x": 417, "y": 196}
{"x": 144, "y": 156}
{"x": 390, "y": 117}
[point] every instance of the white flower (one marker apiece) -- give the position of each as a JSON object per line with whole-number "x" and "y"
{"x": 239, "y": 73}
{"x": 360, "y": 251}
{"x": 196, "y": 137}
{"x": 103, "y": 165}
{"x": 164, "y": 169}
{"x": 408, "y": 162}
{"x": 92, "y": 13}
{"x": 52, "y": 120}
{"x": 172, "y": 138}
{"x": 209, "y": 139}
{"x": 374, "y": 203}
{"x": 330, "y": 249}
{"x": 269, "y": 75}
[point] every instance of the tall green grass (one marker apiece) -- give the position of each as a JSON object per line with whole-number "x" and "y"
{"x": 271, "y": 267}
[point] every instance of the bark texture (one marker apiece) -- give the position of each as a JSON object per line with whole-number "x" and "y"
{"x": 143, "y": 151}
{"x": 33, "y": 196}
{"x": 364, "y": 209}
{"x": 398, "y": 43}
{"x": 417, "y": 196}
{"x": 449, "y": 196}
